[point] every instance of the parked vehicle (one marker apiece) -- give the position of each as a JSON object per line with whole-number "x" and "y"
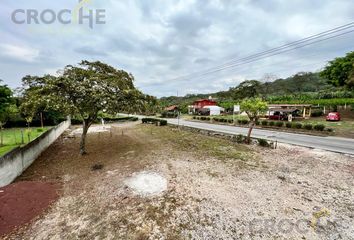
{"x": 333, "y": 116}
{"x": 278, "y": 116}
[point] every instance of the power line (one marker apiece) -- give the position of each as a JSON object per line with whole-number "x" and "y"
{"x": 276, "y": 51}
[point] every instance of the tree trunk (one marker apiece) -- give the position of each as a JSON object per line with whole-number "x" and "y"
{"x": 85, "y": 128}
{"x": 42, "y": 125}
{"x": 248, "y": 140}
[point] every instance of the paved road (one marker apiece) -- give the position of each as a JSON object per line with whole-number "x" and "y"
{"x": 334, "y": 144}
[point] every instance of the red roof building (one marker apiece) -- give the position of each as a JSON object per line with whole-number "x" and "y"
{"x": 203, "y": 102}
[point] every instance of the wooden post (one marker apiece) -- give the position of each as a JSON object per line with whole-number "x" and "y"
{"x": 304, "y": 112}
{"x": 310, "y": 111}
{"x": 22, "y": 137}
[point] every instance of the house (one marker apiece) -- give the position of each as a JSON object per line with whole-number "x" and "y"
{"x": 214, "y": 110}
{"x": 173, "y": 108}
{"x": 198, "y": 105}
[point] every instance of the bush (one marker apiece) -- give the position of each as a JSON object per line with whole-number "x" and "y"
{"x": 262, "y": 142}
{"x": 203, "y": 118}
{"x": 40, "y": 130}
{"x": 330, "y": 130}
{"x": 244, "y": 121}
{"x": 264, "y": 123}
{"x": 230, "y": 121}
{"x": 288, "y": 124}
{"x": 194, "y": 117}
{"x": 154, "y": 121}
{"x": 240, "y": 138}
{"x": 296, "y": 125}
{"x": 271, "y": 123}
{"x": 308, "y": 126}
{"x": 319, "y": 127}
{"x": 279, "y": 124}
{"x": 166, "y": 114}
{"x": 207, "y": 118}
{"x": 258, "y": 123}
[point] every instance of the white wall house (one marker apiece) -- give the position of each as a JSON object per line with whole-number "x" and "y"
{"x": 214, "y": 110}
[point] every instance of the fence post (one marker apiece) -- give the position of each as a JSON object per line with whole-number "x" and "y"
{"x": 22, "y": 137}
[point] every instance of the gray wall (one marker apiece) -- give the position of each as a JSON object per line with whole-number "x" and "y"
{"x": 15, "y": 162}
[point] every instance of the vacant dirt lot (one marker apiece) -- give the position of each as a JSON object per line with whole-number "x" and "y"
{"x": 216, "y": 189}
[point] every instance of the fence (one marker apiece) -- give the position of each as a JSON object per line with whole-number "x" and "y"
{"x": 16, "y": 161}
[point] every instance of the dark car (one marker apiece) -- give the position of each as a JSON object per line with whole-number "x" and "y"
{"x": 333, "y": 116}
{"x": 278, "y": 116}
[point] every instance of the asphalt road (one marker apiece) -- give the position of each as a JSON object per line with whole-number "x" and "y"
{"x": 335, "y": 144}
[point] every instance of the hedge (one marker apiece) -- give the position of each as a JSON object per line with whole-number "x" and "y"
{"x": 319, "y": 127}
{"x": 308, "y": 126}
{"x": 154, "y": 120}
{"x": 279, "y": 124}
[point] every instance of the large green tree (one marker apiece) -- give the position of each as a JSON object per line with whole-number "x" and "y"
{"x": 85, "y": 90}
{"x": 253, "y": 107}
{"x": 6, "y": 102}
{"x": 339, "y": 72}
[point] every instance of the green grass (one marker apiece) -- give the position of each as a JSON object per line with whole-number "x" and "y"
{"x": 12, "y": 137}
{"x": 342, "y": 128}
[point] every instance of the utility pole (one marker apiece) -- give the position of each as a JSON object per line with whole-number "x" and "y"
{"x": 177, "y": 112}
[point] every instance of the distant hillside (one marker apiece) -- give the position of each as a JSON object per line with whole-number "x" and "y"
{"x": 305, "y": 82}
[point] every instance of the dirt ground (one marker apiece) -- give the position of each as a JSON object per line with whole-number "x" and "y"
{"x": 216, "y": 189}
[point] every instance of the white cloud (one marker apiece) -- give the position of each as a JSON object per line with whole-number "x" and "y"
{"x": 21, "y": 53}
{"x": 160, "y": 40}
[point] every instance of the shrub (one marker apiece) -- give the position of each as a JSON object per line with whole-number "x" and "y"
{"x": 264, "y": 123}
{"x": 224, "y": 120}
{"x": 279, "y": 124}
{"x": 262, "y": 142}
{"x": 239, "y": 121}
{"x": 203, "y": 118}
{"x": 319, "y": 127}
{"x": 194, "y": 117}
{"x": 288, "y": 124}
{"x": 330, "y": 130}
{"x": 258, "y": 123}
{"x": 40, "y": 130}
{"x": 166, "y": 114}
{"x": 296, "y": 125}
{"x": 240, "y": 138}
{"x": 154, "y": 120}
{"x": 230, "y": 121}
{"x": 271, "y": 123}
{"x": 308, "y": 126}
{"x": 245, "y": 121}
{"x": 207, "y": 118}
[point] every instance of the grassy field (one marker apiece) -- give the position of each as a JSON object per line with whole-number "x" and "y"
{"x": 344, "y": 128}
{"x": 13, "y": 137}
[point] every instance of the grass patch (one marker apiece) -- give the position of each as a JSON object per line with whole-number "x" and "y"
{"x": 12, "y": 137}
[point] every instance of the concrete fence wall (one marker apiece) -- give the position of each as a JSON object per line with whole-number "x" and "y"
{"x": 16, "y": 161}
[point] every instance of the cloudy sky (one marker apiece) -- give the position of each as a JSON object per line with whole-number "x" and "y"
{"x": 160, "y": 41}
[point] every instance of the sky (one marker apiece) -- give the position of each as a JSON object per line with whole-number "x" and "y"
{"x": 159, "y": 42}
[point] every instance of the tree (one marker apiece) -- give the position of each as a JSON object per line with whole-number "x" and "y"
{"x": 247, "y": 89}
{"x": 339, "y": 71}
{"x": 253, "y": 107}
{"x": 85, "y": 90}
{"x": 6, "y": 102}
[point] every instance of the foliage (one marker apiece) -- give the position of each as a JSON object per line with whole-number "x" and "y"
{"x": 166, "y": 114}
{"x": 319, "y": 127}
{"x": 340, "y": 71}
{"x": 6, "y": 104}
{"x": 253, "y": 107}
{"x": 264, "y": 123}
{"x": 288, "y": 124}
{"x": 279, "y": 124}
{"x": 263, "y": 142}
{"x": 296, "y": 125}
{"x": 239, "y": 138}
{"x": 308, "y": 126}
{"x": 85, "y": 90}
{"x": 154, "y": 121}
